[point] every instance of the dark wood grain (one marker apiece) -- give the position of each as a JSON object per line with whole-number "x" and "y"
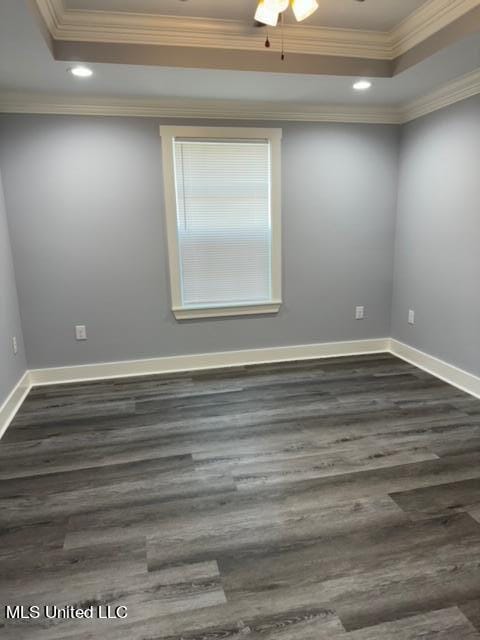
{"x": 335, "y": 498}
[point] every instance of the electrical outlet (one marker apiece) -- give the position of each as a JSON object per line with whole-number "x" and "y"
{"x": 80, "y": 332}
{"x": 359, "y": 313}
{"x": 411, "y": 316}
{"x": 15, "y": 345}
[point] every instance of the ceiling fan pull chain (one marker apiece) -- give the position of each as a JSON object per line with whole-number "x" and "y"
{"x": 282, "y": 57}
{"x": 267, "y": 41}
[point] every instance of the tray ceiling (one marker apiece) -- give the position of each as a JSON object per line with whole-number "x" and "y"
{"x": 35, "y": 81}
{"x": 377, "y": 15}
{"x": 220, "y": 34}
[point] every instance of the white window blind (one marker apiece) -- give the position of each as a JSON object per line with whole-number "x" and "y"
{"x": 223, "y": 221}
{"x": 223, "y": 217}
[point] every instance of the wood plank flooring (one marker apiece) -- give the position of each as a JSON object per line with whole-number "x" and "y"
{"x": 329, "y": 499}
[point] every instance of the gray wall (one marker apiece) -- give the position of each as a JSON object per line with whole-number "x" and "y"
{"x": 86, "y": 209}
{"x": 437, "y": 265}
{"x": 12, "y": 366}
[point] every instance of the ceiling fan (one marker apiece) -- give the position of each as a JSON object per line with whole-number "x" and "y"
{"x": 268, "y": 11}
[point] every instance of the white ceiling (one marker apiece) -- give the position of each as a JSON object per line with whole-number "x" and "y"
{"x": 379, "y": 15}
{"x": 26, "y": 64}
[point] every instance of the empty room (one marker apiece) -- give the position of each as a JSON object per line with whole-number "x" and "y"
{"x": 239, "y": 319}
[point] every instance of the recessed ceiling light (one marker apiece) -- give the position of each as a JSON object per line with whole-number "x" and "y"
{"x": 362, "y": 85}
{"x": 80, "y": 71}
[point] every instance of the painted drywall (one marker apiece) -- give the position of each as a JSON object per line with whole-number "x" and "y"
{"x": 437, "y": 259}
{"x": 12, "y": 366}
{"x": 86, "y": 209}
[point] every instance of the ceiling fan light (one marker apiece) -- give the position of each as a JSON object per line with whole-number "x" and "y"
{"x": 266, "y": 15}
{"x": 304, "y": 8}
{"x": 277, "y": 5}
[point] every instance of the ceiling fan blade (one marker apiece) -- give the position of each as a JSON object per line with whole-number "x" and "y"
{"x": 266, "y": 14}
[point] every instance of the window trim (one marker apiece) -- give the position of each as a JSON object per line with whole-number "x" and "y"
{"x": 274, "y": 136}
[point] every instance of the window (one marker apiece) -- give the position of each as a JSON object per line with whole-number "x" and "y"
{"x": 222, "y": 193}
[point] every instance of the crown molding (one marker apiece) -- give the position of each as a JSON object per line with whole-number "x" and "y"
{"x": 430, "y": 18}
{"x": 52, "y": 13}
{"x": 148, "y": 29}
{"x": 35, "y": 103}
{"x": 188, "y": 108}
{"x": 450, "y": 93}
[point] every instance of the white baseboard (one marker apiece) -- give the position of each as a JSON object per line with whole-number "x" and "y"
{"x": 447, "y": 372}
{"x": 199, "y": 361}
{"x": 14, "y": 401}
{"x": 83, "y": 373}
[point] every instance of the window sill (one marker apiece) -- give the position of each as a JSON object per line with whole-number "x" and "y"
{"x": 188, "y": 313}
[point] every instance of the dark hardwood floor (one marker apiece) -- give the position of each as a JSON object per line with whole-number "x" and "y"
{"x": 331, "y": 499}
